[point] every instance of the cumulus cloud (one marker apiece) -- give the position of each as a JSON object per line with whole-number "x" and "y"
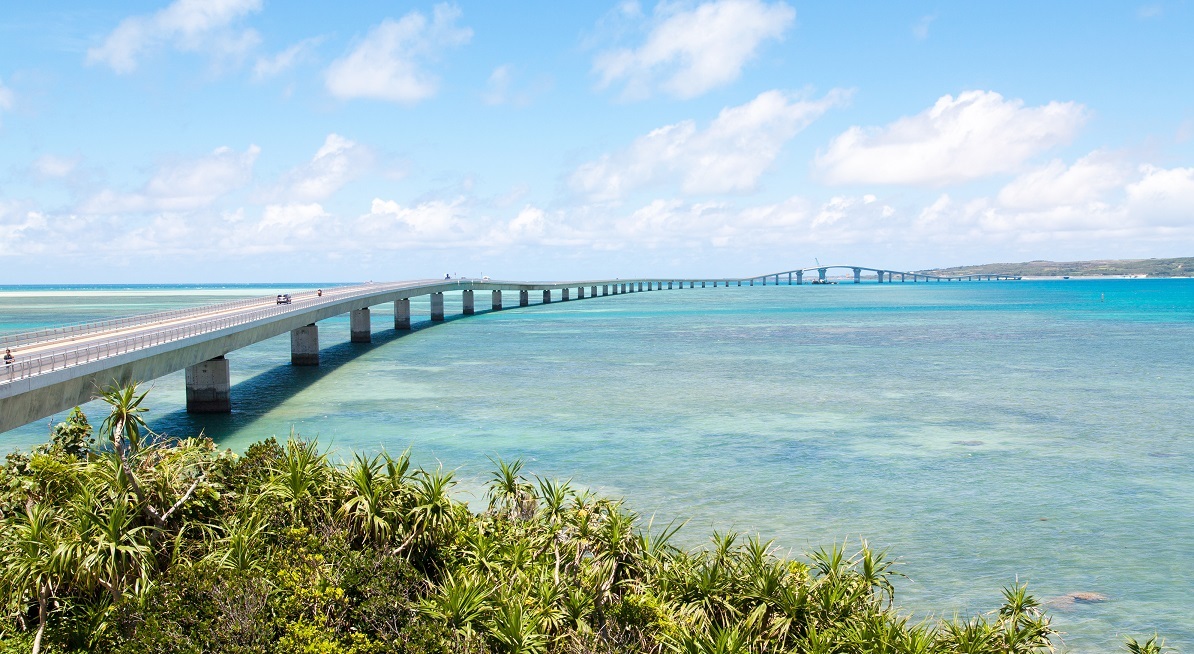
{"x": 730, "y": 154}
{"x": 1163, "y": 196}
{"x": 183, "y": 185}
{"x": 1088, "y": 180}
{"x": 337, "y": 162}
{"x": 388, "y": 64}
{"x": 188, "y": 25}
{"x": 689, "y": 52}
{"x": 975, "y": 135}
{"x": 285, "y": 60}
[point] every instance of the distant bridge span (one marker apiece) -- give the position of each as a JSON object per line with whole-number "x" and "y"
{"x": 58, "y": 368}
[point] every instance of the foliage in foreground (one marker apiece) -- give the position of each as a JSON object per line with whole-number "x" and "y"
{"x": 148, "y": 545}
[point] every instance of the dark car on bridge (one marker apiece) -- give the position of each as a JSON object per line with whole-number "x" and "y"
{"x": 284, "y": 298}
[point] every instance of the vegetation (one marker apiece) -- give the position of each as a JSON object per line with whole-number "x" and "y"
{"x": 1182, "y": 267}
{"x": 145, "y": 544}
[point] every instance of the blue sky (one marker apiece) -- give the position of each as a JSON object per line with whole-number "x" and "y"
{"x": 249, "y": 140}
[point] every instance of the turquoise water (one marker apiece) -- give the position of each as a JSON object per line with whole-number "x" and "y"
{"x": 985, "y": 432}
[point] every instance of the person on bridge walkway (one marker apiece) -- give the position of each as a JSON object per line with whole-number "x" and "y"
{"x": 8, "y": 357}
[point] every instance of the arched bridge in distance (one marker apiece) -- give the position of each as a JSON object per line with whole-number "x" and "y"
{"x": 58, "y": 368}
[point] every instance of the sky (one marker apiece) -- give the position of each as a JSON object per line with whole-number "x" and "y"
{"x": 256, "y": 141}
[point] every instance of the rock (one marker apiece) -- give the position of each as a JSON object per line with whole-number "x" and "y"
{"x": 1087, "y": 597}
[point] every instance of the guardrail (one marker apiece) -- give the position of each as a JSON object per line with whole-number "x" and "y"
{"x": 68, "y": 332}
{"x": 24, "y": 368}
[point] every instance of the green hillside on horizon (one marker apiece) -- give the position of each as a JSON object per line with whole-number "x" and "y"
{"x": 1179, "y": 267}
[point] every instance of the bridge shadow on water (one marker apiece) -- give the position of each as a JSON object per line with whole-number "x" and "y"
{"x": 255, "y": 397}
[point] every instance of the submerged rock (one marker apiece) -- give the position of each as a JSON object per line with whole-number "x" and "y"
{"x": 1087, "y": 597}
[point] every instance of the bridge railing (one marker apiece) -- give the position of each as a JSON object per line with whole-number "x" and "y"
{"x": 24, "y": 368}
{"x": 68, "y": 332}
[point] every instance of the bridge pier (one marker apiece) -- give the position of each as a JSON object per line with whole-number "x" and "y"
{"x": 879, "y": 274}
{"x": 858, "y": 275}
{"x": 402, "y": 314}
{"x": 901, "y": 278}
{"x": 467, "y": 300}
{"x": 799, "y": 277}
{"x": 546, "y": 297}
{"x": 209, "y": 387}
{"x": 821, "y": 274}
{"x": 580, "y": 293}
{"x": 359, "y": 328}
{"x": 752, "y": 282}
{"x": 593, "y": 291}
{"x": 304, "y": 346}
{"x": 564, "y": 295}
{"x": 524, "y": 298}
{"x": 437, "y": 307}
{"x": 495, "y": 300}
{"x": 702, "y": 284}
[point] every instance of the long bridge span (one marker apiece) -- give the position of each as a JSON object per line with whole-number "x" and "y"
{"x": 58, "y": 368}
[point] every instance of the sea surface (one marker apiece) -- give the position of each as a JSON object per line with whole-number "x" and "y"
{"x": 984, "y": 432}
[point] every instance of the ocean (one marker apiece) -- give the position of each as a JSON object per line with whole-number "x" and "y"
{"x": 984, "y": 432}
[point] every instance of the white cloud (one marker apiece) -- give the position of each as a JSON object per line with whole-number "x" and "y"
{"x": 183, "y": 185}
{"x": 286, "y": 59}
{"x": 689, "y": 52}
{"x": 388, "y": 64}
{"x": 1163, "y": 196}
{"x": 921, "y": 28}
{"x": 6, "y": 96}
{"x": 975, "y": 135}
{"x": 337, "y": 162}
{"x": 49, "y": 166}
{"x": 435, "y": 223}
{"x": 188, "y": 25}
{"x": 1088, "y": 180}
{"x": 731, "y": 154}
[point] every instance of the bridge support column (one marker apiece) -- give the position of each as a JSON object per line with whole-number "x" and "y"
{"x": 799, "y": 277}
{"x": 495, "y": 300}
{"x": 593, "y": 291}
{"x": 752, "y": 282}
{"x": 564, "y": 295}
{"x": 359, "y": 328}
{"x": 740, "y": 282}
{"x": 304, "y": 346}
{"x": 604, "y": 289}
{"x": 437, "y": 307}
{"x": 209, "y": 387}
{"x": 821, "y": 274}
{"x": 901, "y": 278}
{"x": 467, "y": 300}
{"x": 702, "y": 284}
{"x": 880, "y": 276}
{"x": 402, "y": 314}
{"x": 524, "y": 298}
{"x": 580, "y": 292}
{"x": 858, "y": 275}
{"x": 546, "y": 297}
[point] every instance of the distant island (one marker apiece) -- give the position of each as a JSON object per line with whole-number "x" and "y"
{"x": 1180, "y": 267}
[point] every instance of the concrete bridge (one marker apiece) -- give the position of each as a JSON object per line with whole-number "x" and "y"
{"x": 56, "y": 369}
{"x": 880, "y": 275}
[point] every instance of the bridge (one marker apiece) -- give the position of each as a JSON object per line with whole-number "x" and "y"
{"x": 59, "y": 368}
